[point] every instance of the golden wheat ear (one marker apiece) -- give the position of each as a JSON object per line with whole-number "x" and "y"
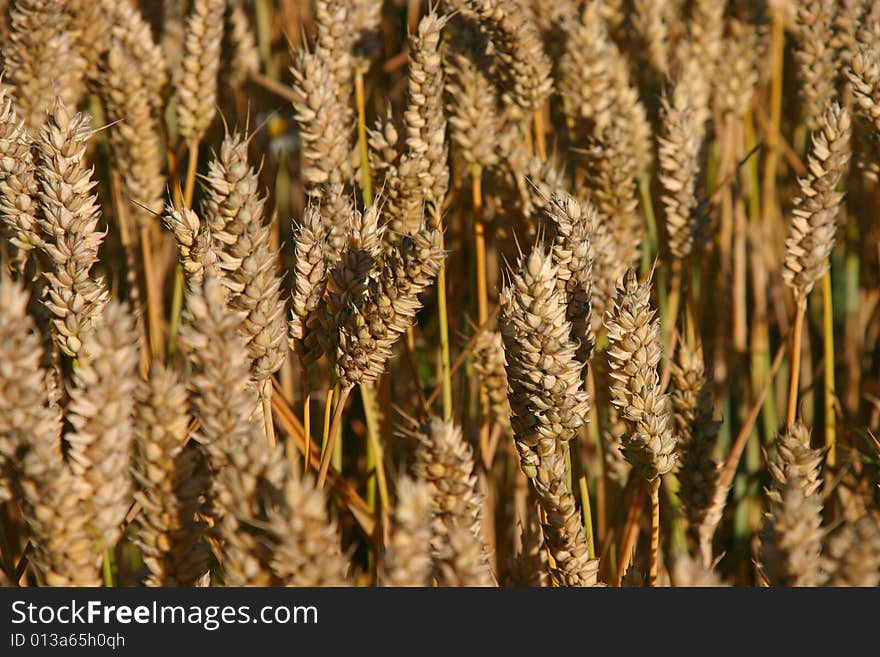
{"x": 445, "y": 462}
{"x": 69, "y": 222}
{"x": 407, "y": 559}
{"x": 814, "y": 218}
{"x": 197, "y": 83}
{"x": 18, "y": 183}
{"x": 171, "y": 480}
{"x": 128, "y": 92}
{"x": 548, "y": 404}
{"x": 41, "y": 59}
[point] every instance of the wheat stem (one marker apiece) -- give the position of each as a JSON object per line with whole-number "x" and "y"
{"x": 154, "y": 320}
{"x": 266, "y": 401}
{"x": 331, "y": 433}
{"x": 107, "y": 567}
{"x": 655, "y": 531}
{"x": 176, "y": 307}
{"x": 540, "y": 135}
{"x": 307, "y": 416}
{"x": 588, "y": 514}
{"x": 443, "y": 321}
{"x": 363, "y": 148}
{"x": 728, "y": 470}
{"x": 630, "y": 534}
{"x": 177, "y": 292}
{"x": 828, "y": 347}
{"x": 374, "y": 446}
{"x": 672, "y": 308}
{"x": 191, "y": 167}
{"x": 796, "y": 340}
{"x": 479, "y": 242}
{"x": 482, "y": 284}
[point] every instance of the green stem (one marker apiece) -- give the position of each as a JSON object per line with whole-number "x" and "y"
{"x": 107, "y": 567}
{"x": 374, "y": 450}
{"x": 648, "y": 208}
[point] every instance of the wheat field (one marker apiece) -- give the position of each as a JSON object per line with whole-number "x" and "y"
{"x": 440, "y": 293}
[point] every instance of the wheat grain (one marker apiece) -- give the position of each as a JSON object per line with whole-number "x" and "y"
{"x": 233, "y": 211}
{"x": 697, "y": 433}
{"x": 530, "y": 567}
{"x": 423, "y": 173}
{"x": 649, "y": 20}
{"x": 324, "y": 148}
{"x": 489, "y": 366}
{"x": 690, "y": 572}
{"x": 309, "y": 285}
{"x": 224, "y": 397}
{"x": 791, "y": 539}
{"x": 473, "y": 113}
{"x": 680, "y": 144}
{"x": 307, "y": 552}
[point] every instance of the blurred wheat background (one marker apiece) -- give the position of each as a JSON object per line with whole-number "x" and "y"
{"x": 459, "y": 293}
